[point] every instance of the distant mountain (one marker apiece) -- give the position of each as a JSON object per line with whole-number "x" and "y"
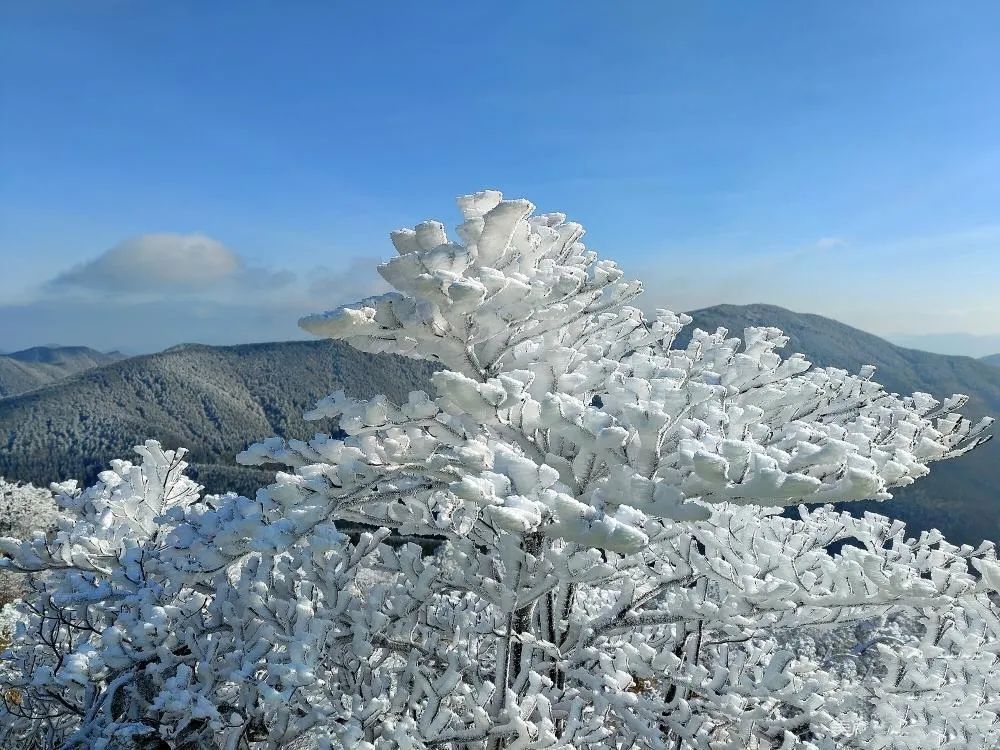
{"x": 828, "y": 343}
{"x": 961, "y": 497}
{"x": 31, "y": 368}
{"x": 992, "y": 359}
{"x": 952, "y": 343}
{"x": 216, "y": 400}
{"x": 212, "y": 400}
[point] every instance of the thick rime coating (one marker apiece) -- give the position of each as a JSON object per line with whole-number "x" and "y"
{"x": 616, "y": 570}
{"x": 24, "y": 509}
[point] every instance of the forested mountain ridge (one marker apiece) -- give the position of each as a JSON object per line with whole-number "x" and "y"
{"x": 32, "y": 368}
{"x": 212, "y": 400}
{"x": 216, "y": 400}
{"x": 991, "y": 359}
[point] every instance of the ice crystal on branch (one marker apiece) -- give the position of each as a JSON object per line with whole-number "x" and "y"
{"x": 617, "y": 567}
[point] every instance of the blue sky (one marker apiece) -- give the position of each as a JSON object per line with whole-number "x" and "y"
{"x": 192, "y": 171}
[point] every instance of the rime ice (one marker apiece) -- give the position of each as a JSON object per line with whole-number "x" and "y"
{"x": 615, "y": 570}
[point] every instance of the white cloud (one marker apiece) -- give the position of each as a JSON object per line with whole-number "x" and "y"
{"x": 156, "y": 261}
{"x": 155, "y": 290}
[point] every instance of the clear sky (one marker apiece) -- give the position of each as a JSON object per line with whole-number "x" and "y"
{"x": 190, "y": 171}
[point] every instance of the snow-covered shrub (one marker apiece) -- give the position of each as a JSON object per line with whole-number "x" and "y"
{"x": 24, "y": 509}
{"x": 617, "y": 570}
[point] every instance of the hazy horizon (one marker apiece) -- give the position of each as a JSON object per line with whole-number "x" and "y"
{"x": 955, "y": 344}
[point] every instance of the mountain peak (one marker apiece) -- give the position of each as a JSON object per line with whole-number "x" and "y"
{"x": 52, "y": 354}
{"x": 32, "y": 368}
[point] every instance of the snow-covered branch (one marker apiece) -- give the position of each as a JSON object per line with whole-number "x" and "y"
{"x": 618, "y": 566}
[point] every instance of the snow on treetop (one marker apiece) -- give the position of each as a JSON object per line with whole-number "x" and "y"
{"x": 546, "y": 357}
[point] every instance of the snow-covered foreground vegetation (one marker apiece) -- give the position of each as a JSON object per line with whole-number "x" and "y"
{"x": 620, "y": 569}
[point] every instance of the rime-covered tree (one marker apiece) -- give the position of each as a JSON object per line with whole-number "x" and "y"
{"x": 617, "y": 569}
{"x": 24, "y": 509}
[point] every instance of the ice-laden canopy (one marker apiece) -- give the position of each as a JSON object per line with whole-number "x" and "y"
{"x": 610, "y": 578}
{"x": 562, "y": 409}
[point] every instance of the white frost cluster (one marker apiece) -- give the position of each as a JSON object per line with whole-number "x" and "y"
{"x": 616, "y": 569}
{"x": 24, "y": 509}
